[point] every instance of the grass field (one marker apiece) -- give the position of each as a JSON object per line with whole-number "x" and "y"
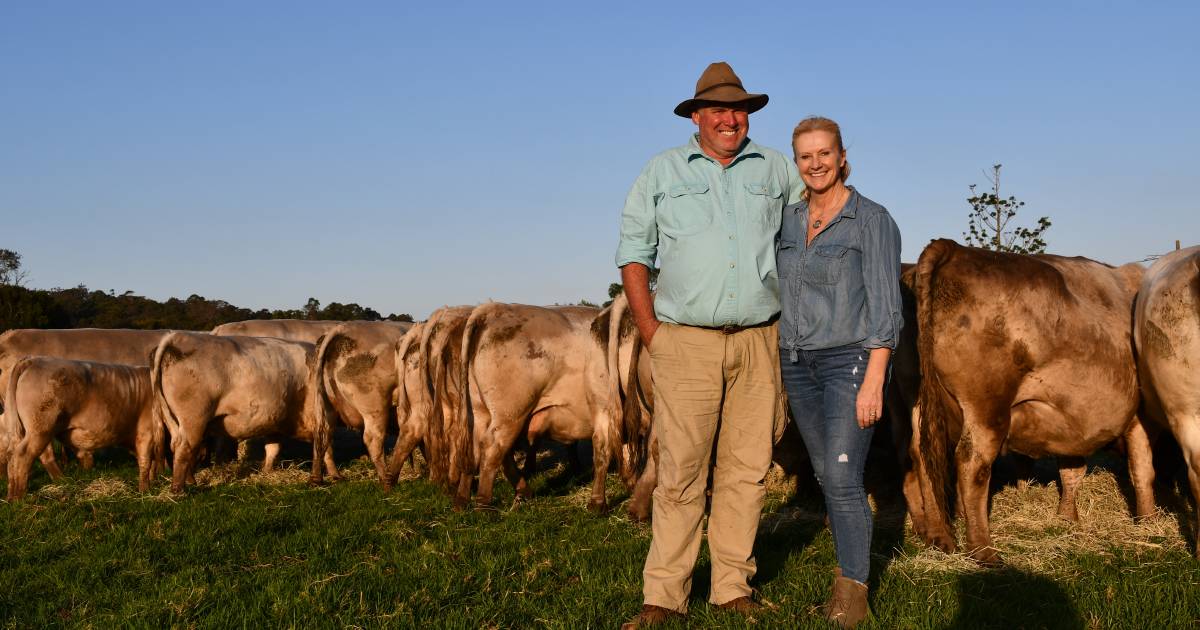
{"x": 266, "y": 551}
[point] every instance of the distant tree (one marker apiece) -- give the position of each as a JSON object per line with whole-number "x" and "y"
{"x": 588, "y": 303}
{"x": 402, "y": 317}
{"x": 988, "y": 223}
{"x": 11, "y": 273}
{"x": 312, "y": 308}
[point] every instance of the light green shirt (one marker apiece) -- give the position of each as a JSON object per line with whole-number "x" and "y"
{"x": 713, "y": 229}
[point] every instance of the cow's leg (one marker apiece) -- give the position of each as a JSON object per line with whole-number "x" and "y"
{"x": 1187, "y": 432}
{"x": 602, "y": 452}
{"x": 1071, "y": 471}
{"x": 640, "y": 504}
{"x": 87, "y": 461}
{"x": 331, "y": 468}
{"x": 271, "y": 453}
{"x": 144, "y": 449}
{"x": 907, "y": 441}
{"x": 50, "y": 463}
{"x": 1139, "y": 439}
{"x": 374, "y": 432}
{"x": 401, "y": 452}
{"x": 516, "y": 478}
{"x": 497, "y": 444}
{"x": 186, "y": 445}
{"x": 21, "y": 461}
{"x": 977, "y": 449}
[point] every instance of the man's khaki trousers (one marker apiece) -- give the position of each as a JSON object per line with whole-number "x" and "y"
{"x": 710, "y": 390}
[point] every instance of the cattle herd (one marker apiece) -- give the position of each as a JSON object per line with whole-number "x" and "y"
{"x": 1039, "y": 355}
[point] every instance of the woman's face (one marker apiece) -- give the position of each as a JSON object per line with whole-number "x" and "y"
{"x": 818, "y": 158}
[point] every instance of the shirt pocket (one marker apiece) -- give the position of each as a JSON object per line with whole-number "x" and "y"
{"x": 764, "y": 203}
{"x": 825, "y": 265}
{"x": 786, "y": 255}
{"x": 685, "y": 211}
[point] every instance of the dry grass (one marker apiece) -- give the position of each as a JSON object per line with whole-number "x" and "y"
{"x": 1030, "y": 535}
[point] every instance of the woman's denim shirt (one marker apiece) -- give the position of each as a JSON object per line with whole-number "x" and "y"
{"x": 844, "y": 287}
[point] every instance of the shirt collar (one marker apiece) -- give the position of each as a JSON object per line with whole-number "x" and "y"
{"x": 749, "y": 149}
{"x": 850, "y": 209}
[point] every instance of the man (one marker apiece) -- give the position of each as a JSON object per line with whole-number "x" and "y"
{"x": 709, "y": 211}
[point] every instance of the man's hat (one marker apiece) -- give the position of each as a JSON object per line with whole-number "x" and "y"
{"x": 720, "y": 86}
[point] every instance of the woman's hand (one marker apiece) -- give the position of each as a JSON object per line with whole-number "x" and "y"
{"x": 869, "y": 406}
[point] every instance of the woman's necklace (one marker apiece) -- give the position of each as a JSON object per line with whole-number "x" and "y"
{"x": 817, "y": 223}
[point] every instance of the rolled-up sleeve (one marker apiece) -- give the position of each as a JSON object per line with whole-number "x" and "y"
{"x": 639, "y": 230}
{"x": 881, "y": 277}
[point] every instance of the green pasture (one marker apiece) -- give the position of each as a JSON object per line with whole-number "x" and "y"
{"x": 266, "y": 551}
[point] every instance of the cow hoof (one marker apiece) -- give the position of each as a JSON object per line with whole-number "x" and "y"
{"x": 461, "y": 504}
{"x": 315, "y": 482}
{"x": 598, "y": 507}
{"x": 987, "y": 557}
{"x": 943, "y": 542}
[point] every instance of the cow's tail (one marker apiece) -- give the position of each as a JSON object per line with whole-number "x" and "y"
{"x": 156, "y": 387}
{"x": 14, "y": 428}
{"x": 621, "y": 329}
{"x": 938, "y": 410}
{"x": 466, "y": 414}
{"x": 323, "y": 415}
{"x": 435, "y": 439}
{"x": 402, "y": 402}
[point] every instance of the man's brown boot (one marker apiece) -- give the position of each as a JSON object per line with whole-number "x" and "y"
{"x": 742, "y": 605}
{"x": 651, "y": 615}
{"x": 848, "y": 606}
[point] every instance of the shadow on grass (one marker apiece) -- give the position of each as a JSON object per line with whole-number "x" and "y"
{"x": 1012, "y": 599}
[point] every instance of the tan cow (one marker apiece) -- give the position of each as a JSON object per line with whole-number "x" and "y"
{"x": 126, "y": 347}
{"x": 1167, "y": 334}
{"x": 534, "y": 371}
{"x": 239, "y": 387}
{"x": 87, "y": 406}
{"x": 356, "y": 371}
{"x": 1024, "y": 353}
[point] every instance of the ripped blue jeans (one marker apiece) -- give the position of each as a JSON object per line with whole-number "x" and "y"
{"x": 822, "y": 389}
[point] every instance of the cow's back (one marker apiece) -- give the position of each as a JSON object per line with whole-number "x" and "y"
{"x": 303, "y": 330}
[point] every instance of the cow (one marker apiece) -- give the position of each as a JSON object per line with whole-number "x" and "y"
{"x": 126, "y": 347}
{"x": 87, "y": 406}
{"x": 1031, "y": 354}
{"x": 356, "y": 373}
{"x": 239, "y": 387}
{"x": 1167, "y": 338}
{"x": 532, "y": 371}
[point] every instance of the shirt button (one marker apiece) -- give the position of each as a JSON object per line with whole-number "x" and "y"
{"x": 730, "y": 295}
{"x": 731, "y": 237}
{"x": 732, "y": 265}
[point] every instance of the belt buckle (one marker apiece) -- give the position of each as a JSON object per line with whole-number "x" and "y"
{"x": 729, "y": 329}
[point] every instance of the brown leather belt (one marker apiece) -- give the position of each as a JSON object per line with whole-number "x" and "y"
{"x": 729, "y": 329}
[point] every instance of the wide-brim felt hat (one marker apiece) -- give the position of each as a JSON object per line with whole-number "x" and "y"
{"x": 719, "y": 85}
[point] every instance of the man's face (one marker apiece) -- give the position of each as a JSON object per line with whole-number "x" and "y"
{"x": 722, "y": 130}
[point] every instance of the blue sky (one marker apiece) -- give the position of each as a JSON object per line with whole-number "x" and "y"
{"x": 407, "y": 156}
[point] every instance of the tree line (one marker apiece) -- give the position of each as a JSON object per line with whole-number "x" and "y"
{"x": 80, "y": 307}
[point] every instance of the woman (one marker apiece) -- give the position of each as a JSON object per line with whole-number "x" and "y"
{"x": 839, "y": 276}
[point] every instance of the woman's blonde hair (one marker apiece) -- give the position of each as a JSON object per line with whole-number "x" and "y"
{"x": 819, "y": 123}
